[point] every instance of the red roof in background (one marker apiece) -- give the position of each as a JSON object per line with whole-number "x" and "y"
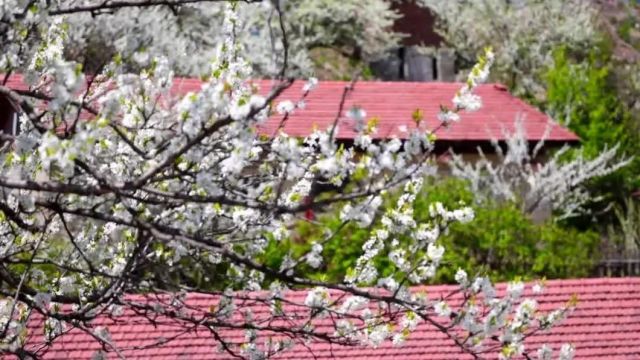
{"x": 14, "y": 82}
{"x": 394, "y": 103}
{"x": 605, "y": 325}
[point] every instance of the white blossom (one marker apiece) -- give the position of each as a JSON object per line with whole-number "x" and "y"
{"x": 448, "y": 116}
{"x": 515, "y": 289}
{"x": 435, "y": 252}
{"x": 467, "y": 101}
{"x": 567, "y": 351}
{"x": 537, "y": 288}
{"x": 442, "y": 309}
{"x": 544, "y": 352}
{"x": 314, "y": 257}
{"x": 317, "y": 298}
{"x": 285, "y": 107}
{"x": 311, "y": 84}
{"x": 461, "y": 277}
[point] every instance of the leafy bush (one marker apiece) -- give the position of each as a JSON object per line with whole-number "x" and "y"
{"x": 501, "y": 236}
{"x": 586, "y": 97}
{"x": 583, "y": 96}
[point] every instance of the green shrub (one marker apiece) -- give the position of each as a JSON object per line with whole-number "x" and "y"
{"x": 506, "y": 244}
{"x": 584, "y": 95}
{"x": 500, "y": 236}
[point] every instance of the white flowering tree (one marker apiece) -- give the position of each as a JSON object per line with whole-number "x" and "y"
{"x": 113, "y": 173}
{"x": 525, "y": 175}
{"x": 191, "y": 33}
{"x": 523, "y": 33}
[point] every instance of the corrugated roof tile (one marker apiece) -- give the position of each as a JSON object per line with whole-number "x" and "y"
{"x": 602, "y": 327}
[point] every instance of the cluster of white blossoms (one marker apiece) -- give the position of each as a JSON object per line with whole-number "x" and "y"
{"x": 465, "y": 99}
{"x": 123, "y": 186}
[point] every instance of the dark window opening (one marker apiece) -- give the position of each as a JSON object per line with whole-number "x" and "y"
{"x": 434, "y": 68}
{"x": 8, "y": 117}
{"x": 401, "y": 56}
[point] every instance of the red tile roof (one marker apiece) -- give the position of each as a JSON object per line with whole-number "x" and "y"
{"x": 394, "y": 103}
{"x": 14, "y": 82}
{"x": 605, "y": 325}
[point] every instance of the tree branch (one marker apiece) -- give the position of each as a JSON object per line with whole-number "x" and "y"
{"x": 111, "y": 5}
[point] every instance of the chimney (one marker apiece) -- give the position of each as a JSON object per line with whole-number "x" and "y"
{"x": 446, "y": 65}
{"x": 418, "y": 64}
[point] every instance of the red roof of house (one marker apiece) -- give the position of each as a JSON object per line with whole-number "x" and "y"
{"x": 394, "y": 103}
{"x": 605, "y": 325}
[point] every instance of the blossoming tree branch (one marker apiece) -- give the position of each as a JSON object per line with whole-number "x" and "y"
{"x": 112, "y": 174}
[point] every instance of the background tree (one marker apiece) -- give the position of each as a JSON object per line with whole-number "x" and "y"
{"x": 524, "y": 33}
{"x": 576, "y": 60}
{"x": 534, "y": 181}
{"x": 348, "y": 31}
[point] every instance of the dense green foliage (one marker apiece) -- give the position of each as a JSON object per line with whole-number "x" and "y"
{"x": 584, "y": 94}
{"x": 508, "y": 243}
{"x": 501, "y": 240}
